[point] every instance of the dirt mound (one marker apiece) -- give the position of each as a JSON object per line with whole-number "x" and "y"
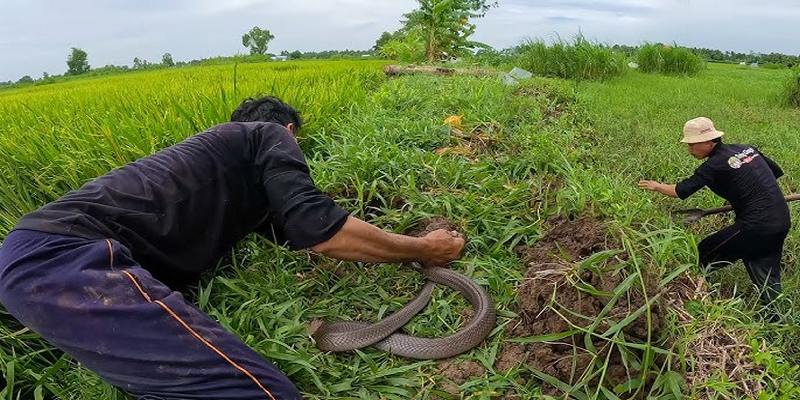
{"x": 561, "y": 298}
{"x": 458, "y": 372}
{"x": 569, "y": 239}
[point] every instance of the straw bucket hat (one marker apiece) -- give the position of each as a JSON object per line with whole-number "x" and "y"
{"x": 700, "y": 130}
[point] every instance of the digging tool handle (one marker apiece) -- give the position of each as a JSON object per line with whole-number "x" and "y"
{"x": 711, "y": 211}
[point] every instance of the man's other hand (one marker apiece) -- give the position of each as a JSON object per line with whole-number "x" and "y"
{"x": 663, "y": 188}
{"x": 649, "y": 185}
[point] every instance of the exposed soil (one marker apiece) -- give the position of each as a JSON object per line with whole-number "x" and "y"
{"x": 567, "y": 240}
{"x": 549, "y": 302}
{"x": 458, "y": 372}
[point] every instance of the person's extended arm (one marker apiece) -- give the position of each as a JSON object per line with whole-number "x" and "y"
{"x": 663, "y": 188}
{"x": 360, "y": 241}
{"x": 685, "y": 188}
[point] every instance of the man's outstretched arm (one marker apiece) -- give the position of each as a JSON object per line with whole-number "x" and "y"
{"x": 663, "y": 188}
{"x": 360, "y": 241}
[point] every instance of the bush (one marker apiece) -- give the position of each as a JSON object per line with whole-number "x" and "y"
{"x": 773, "y": 66}
{"x": 669, "y": 60}
{"x": 408, "y": 48}
{"x": 492, "y": 57}
{"x": 580, "y": 59}
{"x": 791, "y": 90}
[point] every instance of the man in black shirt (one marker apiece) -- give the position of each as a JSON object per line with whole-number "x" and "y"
{"x": 92, "y": 271}
{"x": 748, "y": 180}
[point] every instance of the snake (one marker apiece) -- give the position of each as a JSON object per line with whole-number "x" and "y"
{"x": 339, "y": 336}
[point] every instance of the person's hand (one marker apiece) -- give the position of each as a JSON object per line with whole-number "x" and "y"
{"x": 649, "y": 185}
{"x": 443, "y": 247}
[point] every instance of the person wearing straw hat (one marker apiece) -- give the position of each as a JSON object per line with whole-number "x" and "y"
{"x": 747, "y": 179}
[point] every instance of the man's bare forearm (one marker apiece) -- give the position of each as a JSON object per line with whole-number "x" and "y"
{"x": 663, "y": 188}
{"x": 667, "y": 190}
{"x": 361, "y": 241}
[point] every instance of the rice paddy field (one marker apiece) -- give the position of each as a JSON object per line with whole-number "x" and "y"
{"x": 595, "y": 283}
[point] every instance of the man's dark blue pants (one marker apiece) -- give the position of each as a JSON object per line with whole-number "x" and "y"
{"x": 92, "y": 300}
{"x": 760, "y": 249}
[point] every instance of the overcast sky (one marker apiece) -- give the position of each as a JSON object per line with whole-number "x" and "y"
{"x": 36, "y": 35}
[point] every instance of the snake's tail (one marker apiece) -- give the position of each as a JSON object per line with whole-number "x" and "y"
{"x": 351, "y": 335}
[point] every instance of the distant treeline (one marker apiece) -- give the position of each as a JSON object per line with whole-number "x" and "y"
{"x": 731, "y": 56}
{"x": 488, "y": 56}
{"x": 142, "y": 64}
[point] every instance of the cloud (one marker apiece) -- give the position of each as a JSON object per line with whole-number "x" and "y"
{"x": 558, "y": 19}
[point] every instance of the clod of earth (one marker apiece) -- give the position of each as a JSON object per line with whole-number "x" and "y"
{"x": 457, "y": 372}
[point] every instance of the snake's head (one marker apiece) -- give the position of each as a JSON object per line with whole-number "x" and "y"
{"x": 417, "y": 265}
{"x": 314, "y": 326}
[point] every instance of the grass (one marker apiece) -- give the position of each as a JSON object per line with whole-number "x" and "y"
{"x": 580, "y": 59}
{"x": 371, "y": 141}
{"x": 668, "y": 60}
{"x": 637, "y": 137}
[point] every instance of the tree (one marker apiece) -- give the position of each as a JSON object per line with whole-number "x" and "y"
{"x": 25, "y": 79}
{"x": 444, "y": 25}
{"x": 77, "y": 62}
{"x": 385, "y": 38}
{"x": 407, "y": 47}
{"x": 166, "y": 59}
{"x": 295, "y": 55}
{"x": 257, "y": 40}
{"x": 140, "y": 63}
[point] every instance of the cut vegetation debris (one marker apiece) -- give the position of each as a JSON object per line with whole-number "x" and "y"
{"x": 714, "y": 350}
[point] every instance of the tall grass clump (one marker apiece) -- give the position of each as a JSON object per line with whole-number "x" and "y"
{"x": 579, "y": 59}
{"x": 791, "y": 89}
{"x": 668, "y": 60}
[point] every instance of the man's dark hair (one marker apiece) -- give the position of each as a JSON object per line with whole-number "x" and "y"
{"x": 717, "y": 140}
{"x": 267, "y": 109}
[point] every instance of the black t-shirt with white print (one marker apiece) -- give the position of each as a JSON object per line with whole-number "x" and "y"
{"x": 180, "y": 210}
{"x": 747, "y": 179}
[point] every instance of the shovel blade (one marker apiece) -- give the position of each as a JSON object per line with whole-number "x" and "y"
{"x": 691, "y": 215}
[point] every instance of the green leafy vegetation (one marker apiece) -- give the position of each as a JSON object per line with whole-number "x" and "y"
{"x": 791, "y": 89}
{"x": 669, "y": 60}
{"x": 436, "y": 31}
{"x": 579, "y": 59}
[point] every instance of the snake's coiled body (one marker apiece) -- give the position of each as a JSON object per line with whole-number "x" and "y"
{"x": 350, "y": 335}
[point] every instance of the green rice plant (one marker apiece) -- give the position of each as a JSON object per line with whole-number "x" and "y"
{"x": 580, "y": 59}
{"x": 668, "y": 60}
